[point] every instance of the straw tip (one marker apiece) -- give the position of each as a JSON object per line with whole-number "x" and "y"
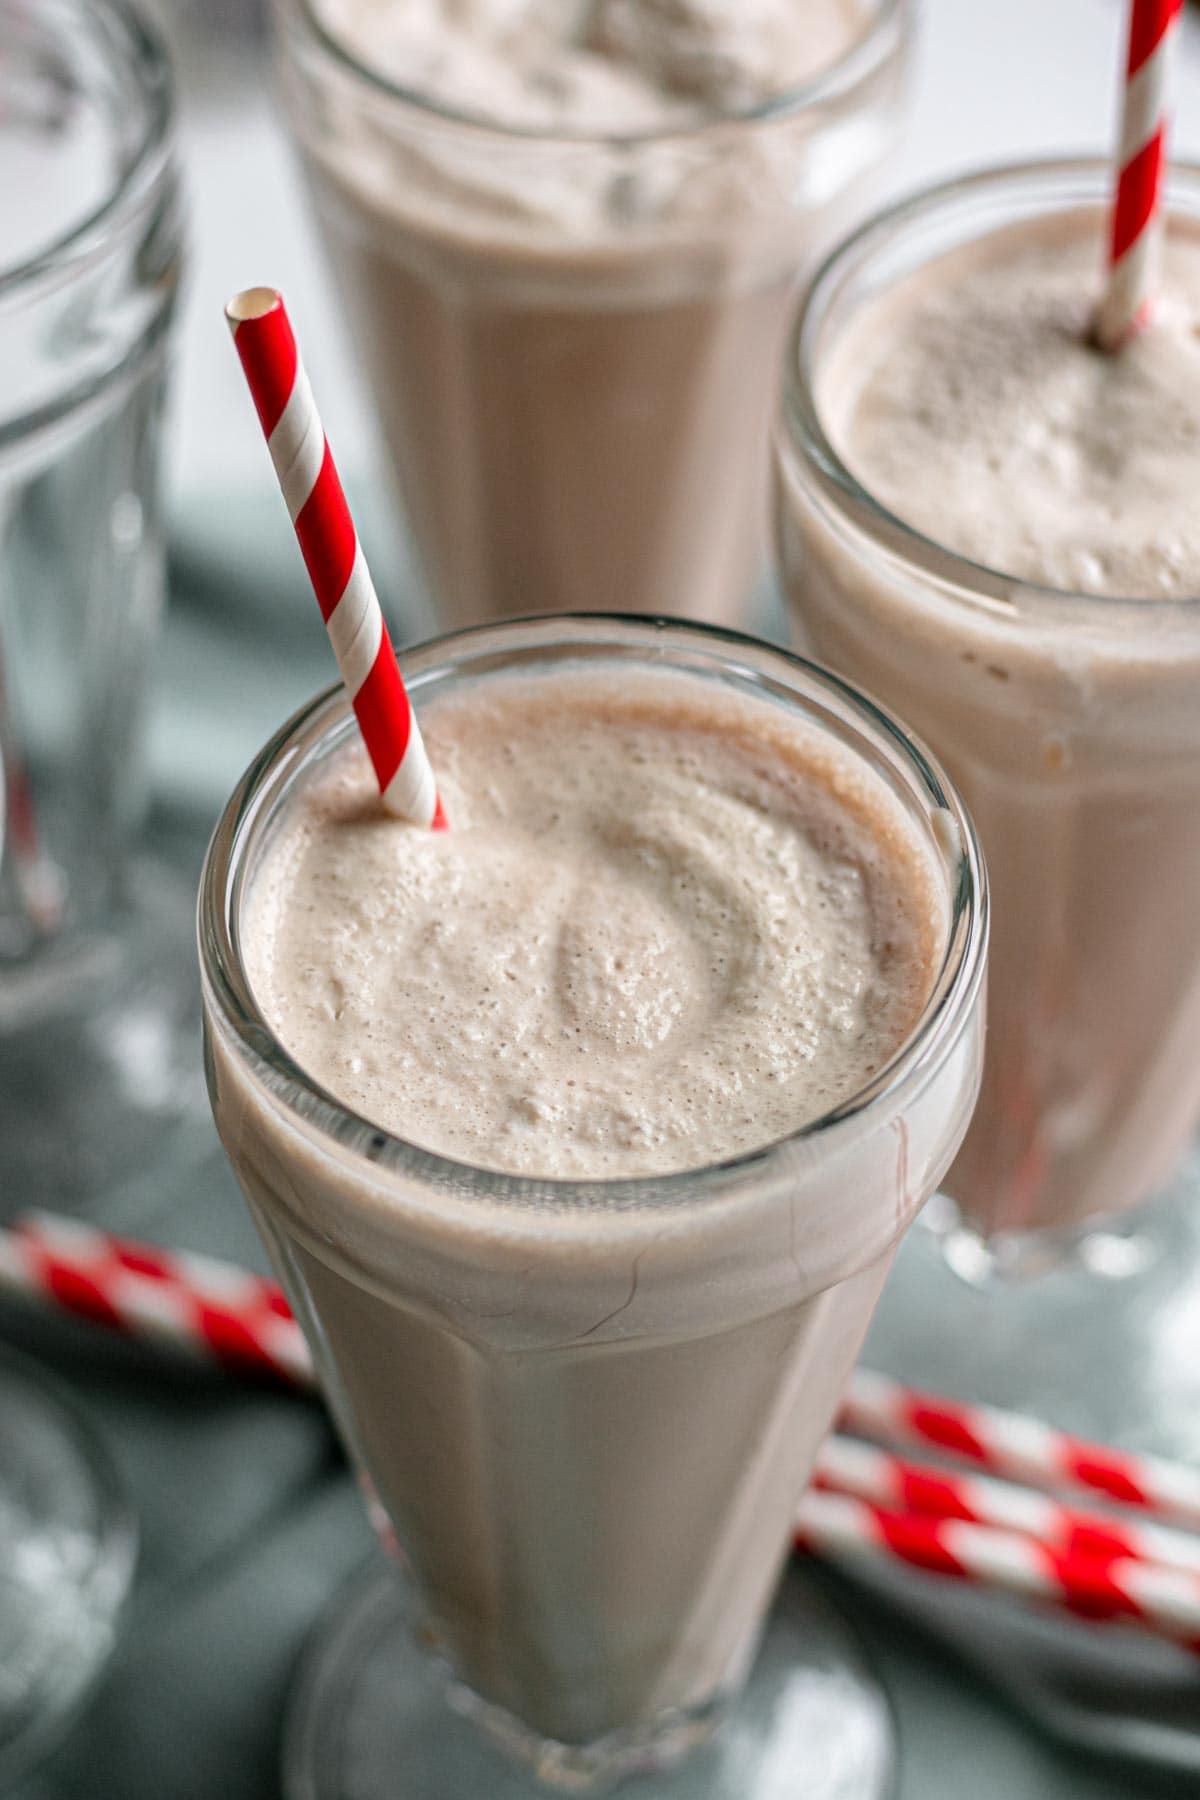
{"x": 1112, "y": 327}
{"x": 251, "y": 303}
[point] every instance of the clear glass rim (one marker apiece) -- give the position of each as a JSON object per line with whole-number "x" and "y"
{"x": 945, "y": 1015}
{"x": 148, "y": 60}
{"x": 852, "y": 69}
{"x": 805, "y": 431}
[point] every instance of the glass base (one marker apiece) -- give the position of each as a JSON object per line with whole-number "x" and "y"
{"x": 375, "y": 1717}
{"x": 98, "y": 1051}
{"x": 1110, "y": 1251}
{"x": 1114, "y": 1359}
{"x": 67, "y": 1550}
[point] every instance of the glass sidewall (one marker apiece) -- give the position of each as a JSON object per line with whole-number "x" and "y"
{"x": 86, "y": 324}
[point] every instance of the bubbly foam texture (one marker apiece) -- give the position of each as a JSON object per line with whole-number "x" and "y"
{"x": 597, "y": 65}
{"x": 667, "y": 926}
{"x": 971, "y": 403}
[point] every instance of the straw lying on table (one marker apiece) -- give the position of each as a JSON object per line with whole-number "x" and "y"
{"x": 333, "y": 556}
{"x": 850, "y": 1466}
{"x": 1165, "y": 1601}
{"x": 195, "y": 1303}
{"x": 1021, "y": 1449}
{"x": 865, "y": 1502}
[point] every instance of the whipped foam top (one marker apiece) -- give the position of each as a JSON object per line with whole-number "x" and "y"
{"x": 969, "y": 400}
{"x": 668, "y": 925}
{"x": 619, "y": 66}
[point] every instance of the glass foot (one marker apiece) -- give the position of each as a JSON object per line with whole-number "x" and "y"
{"x": 1113, "y": 1359}
{"x": 1107, "y": 1252}
{"x": 67, "y": 1549}
{"x": 370, "y": 1719}
{"x": 98, "y": 1051}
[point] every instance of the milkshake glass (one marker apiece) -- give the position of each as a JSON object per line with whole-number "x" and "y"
{"x": 572, "y": 340}
{"x": 1070, "y": 722}
{"x": 587, "y": 1409}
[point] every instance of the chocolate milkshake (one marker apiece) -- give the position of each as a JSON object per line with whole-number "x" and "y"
{"x": 567, "y": 236}
{"x": 991, "y": 525}
{"x": 675, "y": 1030}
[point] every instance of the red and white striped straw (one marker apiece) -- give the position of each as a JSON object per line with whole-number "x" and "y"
{"x": 337, "y": 568}
{"x": 1020, "y": 1449}
{"x": 1164, "y": 1600}
{"x": 195, "y": 1303}
{"x": 847, "y": 1465}
{"x": 1135, "y": 234}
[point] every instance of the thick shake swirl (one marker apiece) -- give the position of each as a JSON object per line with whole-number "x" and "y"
{"x": 970, "y": 400}
{"x": 667, "y": 927}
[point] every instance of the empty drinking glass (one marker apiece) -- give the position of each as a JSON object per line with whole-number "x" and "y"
{"x": 94, "y": 971}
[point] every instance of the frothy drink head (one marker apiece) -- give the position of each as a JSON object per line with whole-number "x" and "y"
{"x": 582, "y": 1135}
{"x": 667, "y": 928}
{"x": 567, "y": 237}
{"x": 991, "y": 524}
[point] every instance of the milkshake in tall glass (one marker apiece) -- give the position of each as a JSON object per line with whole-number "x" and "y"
{"x": 993, "y": 526}
{"x": 582, "y": 1134}
{"x": 567, "y": 237}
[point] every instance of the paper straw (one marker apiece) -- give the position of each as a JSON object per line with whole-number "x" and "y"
{"x": 1021, "y": 1449}
{"x": 337, "y": 568}
{"x": 1163, "y": 1600}
{"x": 1136, "y": 227}
{"x": 195, "y": 1303}
{"x": 849, "y": 1466}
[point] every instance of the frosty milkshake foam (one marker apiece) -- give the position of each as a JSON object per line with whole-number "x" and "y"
{"x": 676, "y": 1028}
{"x": 566, "y": 237}
{"x": 992, "y": 526}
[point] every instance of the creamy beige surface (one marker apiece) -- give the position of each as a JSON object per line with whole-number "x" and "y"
{"x": 970, "y": 401}
{"x": 665, "y": 928}
{"x": 597, "y": 65}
